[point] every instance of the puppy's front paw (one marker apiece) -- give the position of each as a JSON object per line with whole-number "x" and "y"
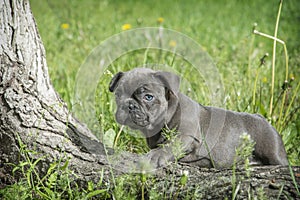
{"x": 160, "y": 157}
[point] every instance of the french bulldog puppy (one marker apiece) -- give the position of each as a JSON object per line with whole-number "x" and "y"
{"x": 150, "y": 101}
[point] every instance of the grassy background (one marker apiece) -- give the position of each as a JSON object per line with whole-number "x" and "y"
{"x": 70, "y": 30}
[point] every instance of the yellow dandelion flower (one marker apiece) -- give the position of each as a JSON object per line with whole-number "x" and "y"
{"x": 126, "y": 27}
{"x": 108, "y": 72}
{"x": 172, "y": 43}
{"x": 65, "y": 26}
{"x": 264, "y": 80}
{"x": 160, "y": 20}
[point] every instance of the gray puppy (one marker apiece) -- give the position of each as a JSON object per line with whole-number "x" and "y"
{"x": 150, "y": 100}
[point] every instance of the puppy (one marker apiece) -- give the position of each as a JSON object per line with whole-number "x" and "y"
{"x": 150, "y": 101}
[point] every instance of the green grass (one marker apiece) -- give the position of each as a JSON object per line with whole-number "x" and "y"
{"x": 70, "y": 30}
{"x": 223, "y": 28}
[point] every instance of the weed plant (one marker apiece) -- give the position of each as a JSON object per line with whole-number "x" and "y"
{"x": 57, "y": 183}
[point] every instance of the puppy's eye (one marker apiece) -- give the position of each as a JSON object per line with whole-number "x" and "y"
{"x": 148, "y": 97}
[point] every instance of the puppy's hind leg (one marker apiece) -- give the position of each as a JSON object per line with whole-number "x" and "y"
{"x": 279, "y": 156}
{"x": 269, "y": 148}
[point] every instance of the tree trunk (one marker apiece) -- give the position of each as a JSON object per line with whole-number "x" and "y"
{"x": 31, "y": 113}
{"x": 29, "y": 106}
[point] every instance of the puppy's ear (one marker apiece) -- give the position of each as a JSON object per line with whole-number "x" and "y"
{"x": 171, "y": 81}
{"x": 115, "y": 81}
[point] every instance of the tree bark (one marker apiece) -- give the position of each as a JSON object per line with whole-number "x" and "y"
{"x": 29, "y": 106}
{"x": 32, "y": 112}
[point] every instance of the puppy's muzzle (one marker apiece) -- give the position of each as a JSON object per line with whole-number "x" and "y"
{"x": 132, "y": 107}
{"x": 137, "y": 114}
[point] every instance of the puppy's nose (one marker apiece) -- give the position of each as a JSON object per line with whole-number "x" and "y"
{"x": 131, "y": 106}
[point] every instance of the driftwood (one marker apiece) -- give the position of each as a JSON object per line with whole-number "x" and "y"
{"x": 32, "y": 113}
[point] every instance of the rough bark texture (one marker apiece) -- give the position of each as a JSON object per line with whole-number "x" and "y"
{"x": 31, "y": 110}
{"x": 264, "y": 182}
{"x": 29, "y": 106}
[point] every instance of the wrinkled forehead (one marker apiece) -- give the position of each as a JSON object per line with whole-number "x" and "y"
{"x": 132, "y": 81}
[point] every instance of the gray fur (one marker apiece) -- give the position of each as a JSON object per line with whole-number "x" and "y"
{"x": 209, "y": 135}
